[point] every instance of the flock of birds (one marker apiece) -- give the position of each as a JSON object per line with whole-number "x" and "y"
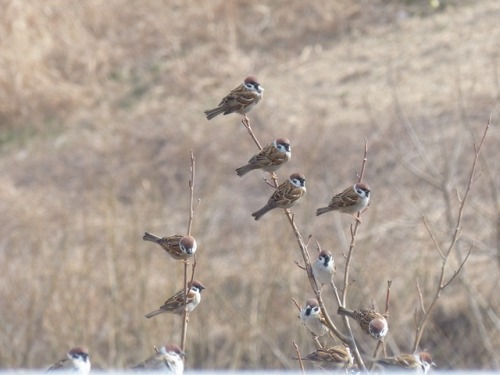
{"x": 354, "y": 199}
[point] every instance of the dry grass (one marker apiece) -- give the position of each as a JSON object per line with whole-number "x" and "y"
{"x": 100, "y": 103}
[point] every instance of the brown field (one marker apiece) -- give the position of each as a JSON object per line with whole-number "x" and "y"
{"x": 101, "y": 103}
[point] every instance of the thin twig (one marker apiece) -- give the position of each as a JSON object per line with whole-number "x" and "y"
{"x": 299, "y": 357}
{"x": 190, "y": 224}
{"x": 456, "y": 234}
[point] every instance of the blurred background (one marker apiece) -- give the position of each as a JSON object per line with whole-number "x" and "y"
{"x": 101, "y": 103}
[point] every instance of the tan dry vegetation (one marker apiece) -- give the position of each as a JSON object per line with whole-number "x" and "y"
{"x": 100, "y": 103}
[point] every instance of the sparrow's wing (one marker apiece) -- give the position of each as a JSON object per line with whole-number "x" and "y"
{"x": 63, "y": 364}
{"x": 269, "y": 156}
{"x": 347, "y": 198}
{"x": 403, "y": 360}
{"x": 237, "y": 99}
{"x": 174, "y": 302}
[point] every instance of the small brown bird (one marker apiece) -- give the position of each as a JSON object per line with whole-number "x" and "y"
{"x": 334, "y": 358}
{"x": 177, "y": 246}
{"x": 169, "y": 358}
{"x": 420, "y": 363}
{"x": 77, "y": 360}
{"x": 175, "y": 304}
{"x": 352, "y": 200}
{"x": 285, "y": 195}
{"x": 324, "y": 267}
{"x": 270, "y": 158}
{"x": 371, "y": 322}
{"x": 240, "y": 100}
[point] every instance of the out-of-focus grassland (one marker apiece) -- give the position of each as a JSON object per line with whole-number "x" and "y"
{"x": 101, "y": 103}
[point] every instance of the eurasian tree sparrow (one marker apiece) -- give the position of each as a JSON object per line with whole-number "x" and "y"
{"x": 352, "y": 200}
{"x": 312, "y": 317}
{"x": 77, "y": 360}
{"x": 285, "y": 195}
{"x": 270, "y": 158}
{"x": 336, "y": 357}
{"x": 324, "y": 267}
{"x": 241, "y": 100}
{"x": 175, "y": 304}
{"x": 371, "y": 322}
{"x": 177, "y": 246}
{"x": 419, "y": 362}
{"x": 169, "y": 358}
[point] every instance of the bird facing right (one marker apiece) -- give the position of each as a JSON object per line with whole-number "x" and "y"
{"x": 352, "y": 200}
{"x": 312, "y": 317}
{"x": 240, "y": 100}
{"x": 270, "y": 158}
{"x": 285, "y": 195}
{"x": 77, "y": 360}
{"x": 177, "y": 246}
{"x": 371, "y": 322}
{"x": 420, "y": 363}
{"x": 175, "y": 304}
{"x": 169, "y": 358}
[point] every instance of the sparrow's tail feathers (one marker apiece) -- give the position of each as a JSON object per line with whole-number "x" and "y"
{"x": 264, "y": 210}
{"x": 154, "y": 313}
{"x": 323, "y": 210}
{"x": 151, "y": 237}
{"x": 244, "y": 170}
{"x": 211, "y": 113}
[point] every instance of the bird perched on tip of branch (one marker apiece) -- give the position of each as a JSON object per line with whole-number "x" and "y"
{"x": 175, "y": 304}
{"x": 285, "y": 195}
{"x": 312, "y": 317}
{"x": 240, "y": 100}
{"x": 371, "y": 322}
{"x": 169, "y": 358}
{"x": 336, "y": 357}
{"x": 420, "y": 363}
{"x": 352, "y": 200}
{"x": 270, "y": 158}
{"x": 177, "y": 246}
{"x": 77, "y": 361}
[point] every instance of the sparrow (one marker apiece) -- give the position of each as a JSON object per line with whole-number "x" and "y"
{"x": 350, "y": 201}
{"x": 177, "y": 246}
{"x": 240, "y": 100}
{"x": 77, "y": 360}
{"x": 371, "y": 322}
{"x": 270, "y": 158}
{"x": 175, "y": 304}
{"x": 169, "y": 358}
{"x": 285, "y": 195}
{"x": 324, "y": 267}
{"x": 312, "y": 317}
{"x": 336, "y": 357}
{"x": 420, "y": 362}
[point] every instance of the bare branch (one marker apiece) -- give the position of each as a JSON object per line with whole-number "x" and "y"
{"x": 459, "y": 268}
{"x": 299, "y": 357}
{"x": 433, "y": 237}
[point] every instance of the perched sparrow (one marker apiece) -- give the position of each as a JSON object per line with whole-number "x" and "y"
{"x": 312, "y": 318}
{"x": 371, "y": 322}
{"x": 241, "y": 100}
{"x": 285, "y": 195}
{"x": 324, "y": 267}
{"x": 270, "y": 158}
{"x": 175, "y": 304}
{"x": 351, "y": 200}
{"x": 177, "y": 246}
{"x": 169, "y": 358}
{"x": 77, "y": 360}
{"x": 420, "y": 362}
{"x": 336, "y": 357}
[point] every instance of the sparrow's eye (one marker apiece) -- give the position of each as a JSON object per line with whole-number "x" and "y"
{"x": 316, "y": 309}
